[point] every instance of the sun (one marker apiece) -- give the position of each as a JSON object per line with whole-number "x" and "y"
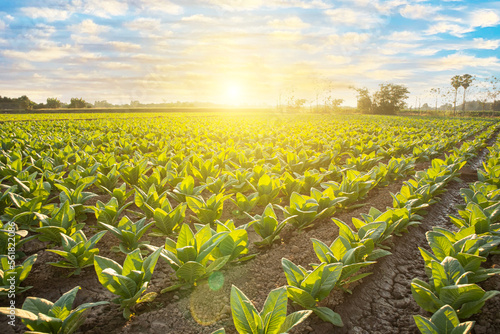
{"x": 233, "y": 93}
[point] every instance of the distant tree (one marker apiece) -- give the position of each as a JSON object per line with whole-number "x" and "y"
{"x": 456, "y": 82}
{"x": 332, "y": 104}
{"x": 364, "y": 100}
{"x": 465, "y": 81}
{"x": 53, "y": 103}
{"x": 77, "y": 103}
{"x": 25, "y": 103}
{"x": 496, "y": 105}
{"x": 390, "y": 99}
{"x": 102, "y": 104}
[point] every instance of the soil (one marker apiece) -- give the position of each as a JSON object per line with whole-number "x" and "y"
{"x": 379, "y": 303}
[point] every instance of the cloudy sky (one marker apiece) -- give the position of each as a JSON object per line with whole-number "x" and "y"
{"x": 240, "y": 51}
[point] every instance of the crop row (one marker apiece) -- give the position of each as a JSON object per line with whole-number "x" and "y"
{"x": 453, "y": 265}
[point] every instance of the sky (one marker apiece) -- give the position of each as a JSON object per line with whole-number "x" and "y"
{"x": 235, "y": 52}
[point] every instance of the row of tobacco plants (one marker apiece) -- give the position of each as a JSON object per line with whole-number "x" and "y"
{"x": 453, "y": 264}
{"x": 154, "y": 174}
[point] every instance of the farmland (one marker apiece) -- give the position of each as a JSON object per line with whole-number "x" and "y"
{"x": 257, "y": 202}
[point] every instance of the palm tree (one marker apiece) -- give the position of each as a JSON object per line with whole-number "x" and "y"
{"x": 456, "y": 82}
{"x": 466, "y": 80}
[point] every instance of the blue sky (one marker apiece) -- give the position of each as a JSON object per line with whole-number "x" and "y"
{"x": 242, "y": 52}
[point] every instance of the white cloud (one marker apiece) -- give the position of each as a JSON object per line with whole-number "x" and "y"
{"x": 124, "y": 46}
{"x": 100, "y": 8}
{"x": 144, "y": 23}
{"x": 49, "y": 14}
{"x": 243, "y": 5}
{"x": 114, "y": 65}
{"x": 289, "y": 36}
{"x": 485, "y": 44}
{"x": 459, "y": 61}
{"x": 338, "y": 60}
{"x": 3, "y": 25}
{"x": 153, "y": 6}
{"x": 405, "y": 36}
{"x": 39, "y": 33}
{"x": 459, "y": 26}
{"x": 41, "y": 54}
{"x": 419, "y": 12}
{"x": 87, "y": 31}
{"x": 398, "y": 47}
{"x": 357, "y": 18}
{"x": 292, "y": 23}
{"x": 449, "y": 28}
{"x": 198, "y": 18}
{"x": 484, "y": 18}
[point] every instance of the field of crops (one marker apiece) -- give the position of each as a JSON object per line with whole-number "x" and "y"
{"x": 188, "y": 223}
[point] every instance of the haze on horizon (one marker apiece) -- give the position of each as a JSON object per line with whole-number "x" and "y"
{"x": 240, "y": 52}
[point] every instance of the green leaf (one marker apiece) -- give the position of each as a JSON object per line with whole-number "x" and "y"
{"x": 425, "y": 326}
{"x": 301, "y": 297}
{"x": 62, "y": 307}
{"x": 293, "y": 320}
{"x": 445, "y": 319}
{"x": 326, "y": 314}
{"x": 274, "y": 310}
{"x": 294, "y": 274}
{"x": 244, "y": 313}
{"x": 191, "y": 271}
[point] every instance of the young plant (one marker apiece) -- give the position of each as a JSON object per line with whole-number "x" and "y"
{"x": 191, "y": 254}
{"x": 303, "y": 208}
{"x": 78, "y": 252}
{"x": 129, "y": 233}
{"x": 443, "y": 321}
{"x": 62, "y": 221}
{"x": 12, "y": 275}
{"x": 449, "y": 285}
{"x": 108, "y": 213}
{"x": 186, "y": 188}
{"x": 484, "y": 220}
{"x": 207, "y": 212}
{"x": 109, "y": 180}
{"x": 149, "y": 201}
{"x": 10, "y": 237}
{"x": 268, "y": 227}
{"x": 355, "y": 186}
{"x": 132, "y": 174}
{"x": 272, "y": 319}
{"x": 77, "y": 198}
{"x": 467, "y": 247}
{"x": 234, "y": 244}
{"x": 307, "y": 288}
{"x": 121, "y": 194}
{"x": 267, "y": 188}
{"x": 168, "y": 221}
{"x": 43, "y": 316}
{"x": 244, "y": 203}
{"x": 128, "y": 282}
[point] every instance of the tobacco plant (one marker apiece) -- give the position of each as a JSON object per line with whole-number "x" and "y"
{"x": 78, "y": 252}
{"x": 272, "y": 319}
{"x": 40, "y": 315}
{"x": 128, "y": 282}
{"x": 307, "y": 288}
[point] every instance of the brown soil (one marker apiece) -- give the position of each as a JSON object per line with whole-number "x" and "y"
{"x": 380, "y": 303}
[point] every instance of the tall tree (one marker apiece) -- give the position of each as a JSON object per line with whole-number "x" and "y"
{"x": 53, "y": 102}
{"x": 465, "y": 81}
{"x": 390, "y": 98}
{"x": 364, "y": 100}
{"x": 456, "y": 82}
